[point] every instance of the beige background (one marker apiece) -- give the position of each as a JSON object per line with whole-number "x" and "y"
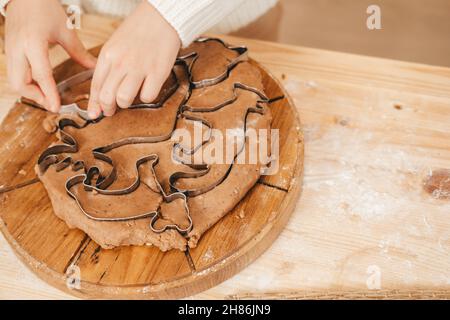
{"x": 412, "y": 30}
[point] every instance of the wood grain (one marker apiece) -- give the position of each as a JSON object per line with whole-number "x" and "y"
{"x": 54, "y": 252}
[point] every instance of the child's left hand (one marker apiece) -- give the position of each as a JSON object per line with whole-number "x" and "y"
{"x": 139, "y": 55}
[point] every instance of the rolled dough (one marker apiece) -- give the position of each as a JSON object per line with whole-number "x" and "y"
{"x": 226, "y": 184}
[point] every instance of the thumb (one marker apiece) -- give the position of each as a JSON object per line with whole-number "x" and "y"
{"x": 74, "y": 47}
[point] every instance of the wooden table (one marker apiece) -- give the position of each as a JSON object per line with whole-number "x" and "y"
{"x": 374, "y": 216}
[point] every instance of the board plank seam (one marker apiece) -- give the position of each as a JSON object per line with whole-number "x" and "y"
{"x": 272, "y": 186}
{"x": 190, "y": 261}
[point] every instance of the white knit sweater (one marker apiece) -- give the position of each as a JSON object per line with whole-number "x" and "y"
{"x": 190, "y": 18}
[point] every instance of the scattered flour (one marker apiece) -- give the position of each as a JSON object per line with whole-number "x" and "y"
{"x": 359, "y": 176}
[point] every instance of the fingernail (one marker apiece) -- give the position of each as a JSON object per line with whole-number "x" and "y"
{"x": 92, "y": 114}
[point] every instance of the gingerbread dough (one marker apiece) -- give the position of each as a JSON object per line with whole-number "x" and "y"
{"x": 139, "y": 145}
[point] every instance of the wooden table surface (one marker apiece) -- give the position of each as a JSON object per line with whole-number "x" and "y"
{"x": 374, "y": 216}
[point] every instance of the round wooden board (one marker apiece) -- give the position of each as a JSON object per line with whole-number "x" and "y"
{"x": 58, "y": 254}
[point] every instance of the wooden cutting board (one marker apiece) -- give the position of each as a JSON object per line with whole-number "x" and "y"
{"x": 372, "y": 221}
{"x": 71, "y": 261}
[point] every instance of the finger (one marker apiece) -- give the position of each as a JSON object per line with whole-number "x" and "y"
{"x": 108, "y": 93}
{"x": 41, "y": 72}
{"x": 94, "y": 111}
{"x": 74, "y": 47}
{"x": 129, "y": 89}
{"x": 19, "y": 75}
{"x": 151, "y": 87}
{"x": 100, "y": 74}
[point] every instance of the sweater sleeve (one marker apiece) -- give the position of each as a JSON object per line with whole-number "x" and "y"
{"x": 3, "y": 4}
{"x": 190, "y": 18}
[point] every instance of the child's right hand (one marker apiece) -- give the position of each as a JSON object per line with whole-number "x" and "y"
{"x": 29, "y": 29}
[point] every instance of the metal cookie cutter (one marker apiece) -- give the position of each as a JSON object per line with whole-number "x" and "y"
{"x": 50, "y": 157}
{"x": 63, "y": 86}
{"x": 242, "y": 56}
{"x": 103, "y": 183}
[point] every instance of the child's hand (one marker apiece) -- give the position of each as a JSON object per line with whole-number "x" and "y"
{"x": 29, "y": 28}
{"x": 139, "y": 55}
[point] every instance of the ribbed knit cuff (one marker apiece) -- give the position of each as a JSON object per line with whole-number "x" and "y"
{"x": 3, "y": 4}
{"x": 190, "y": 18}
